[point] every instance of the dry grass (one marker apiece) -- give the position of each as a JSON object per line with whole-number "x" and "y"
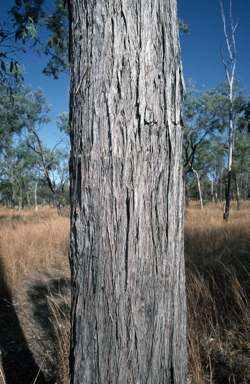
{"x": 218, "y": 294}
{"x": 34, "y": 288}
{"x": 32, "y": 241}
{"x": 217, "y": 284}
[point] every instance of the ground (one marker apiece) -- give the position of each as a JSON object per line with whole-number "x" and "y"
{"x": 28, "y": 339}
{"x": 35, "y": 295}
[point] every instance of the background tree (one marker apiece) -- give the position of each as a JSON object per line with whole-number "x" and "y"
{"x": 12, "y": 95}
{"x": 127, "y": 262}
{"x": 12, "y": 33}
{"x": 36, "y": 115}
{"x": 230, "y": 79}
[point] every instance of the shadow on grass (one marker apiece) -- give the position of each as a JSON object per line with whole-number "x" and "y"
{"x": 18, "y": 362}
{"x": 52, "y": 310}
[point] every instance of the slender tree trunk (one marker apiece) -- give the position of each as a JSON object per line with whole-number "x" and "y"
{"x": 13, "y": 186}
{"x": 35, "y": 196}
{"x": 63, "y": 195}
{"x": 199, "y": 186}
{"x": 57, "y": 203}
{"x": 216, "y": 194}
{"x": 230, "y": 79}
{"x": 20, "y": 198}
{"x": 212, "y": 189}
{"x": 245, "y": 190}
{"x": 128, "y": 314}
{"x": 221, "y": 198}
{"x": 237, "y": 193}
{"x": 187, "y": 195}
{"x": 28, "y": 198}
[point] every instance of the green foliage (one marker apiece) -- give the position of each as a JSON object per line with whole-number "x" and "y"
{"x": 58, "y": 40}
{"x": 62, "y": 122}
{"x": 200, "y": 121}
{"x": 12, "y": 104}
{"x": 205, "y": 144}
{"x": 20, "y": 26}
{"x": 56, "y": 46}
{"x": 183, "y": 27}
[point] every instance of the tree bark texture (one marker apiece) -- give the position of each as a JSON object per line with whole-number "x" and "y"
{"x": 127, "y": 193}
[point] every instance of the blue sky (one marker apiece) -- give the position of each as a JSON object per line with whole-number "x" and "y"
{"x": 200, "y": 53}
{"x": 200, "y": 49}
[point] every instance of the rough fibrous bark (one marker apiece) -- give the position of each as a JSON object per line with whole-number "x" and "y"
{"x": 127, "y": 262}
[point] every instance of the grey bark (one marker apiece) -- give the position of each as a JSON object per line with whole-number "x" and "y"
{"x": 13, "y": 185}
{"x": 35, "y": 196}
{"x": 245, "y": 190}
{"x": 198, "y": 184}
{"x": 20, "y": 198}
{"x": 63, "y": 195}
{"x": 221, "y": 188}
{"x": 237, "y": 193}
{"x": 230, "y": 80}
{"x": 212, "y": 188}
{"x": 216, "y": 194}
{"x": 128, "y": 318}
{"x": 28, "y": 198}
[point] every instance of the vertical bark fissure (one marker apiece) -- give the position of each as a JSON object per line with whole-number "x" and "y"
{"x": 127, "y": 238}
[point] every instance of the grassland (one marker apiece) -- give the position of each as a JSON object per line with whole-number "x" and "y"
{"x": 35, "y": 295}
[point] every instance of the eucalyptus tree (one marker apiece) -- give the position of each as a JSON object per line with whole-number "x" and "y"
{"x": 62, "y": 122}
{"x": 217, "y": 163}
{"x": 46, "y": 164}
{"x": 27, "y": 171}
{"x": 128, "y": 313}
{"x": 231, "y": 47}
{"x": 8, "y": 164}
{"x": 36, "y": 115}
{"x": 62, "y": 170}
{"x": 221, "y": 104}
{"x": 12, "y": 96}
{"x": 200, "y": 121}
{"x": 241, "y": 163}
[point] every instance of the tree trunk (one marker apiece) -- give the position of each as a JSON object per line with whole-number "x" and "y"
{"x": 20, "y": 198}
{"x": 127, "y": 191}
{"x": 28, "y": 198}
{"x": 230, "y": 79}
{"x": 221, "y": 188}
{"x": 63, "y": 195}
{"x": 216, "y": 194}
{"x": 57, "y": 203}
{"x": 35, "y": 196}
{"x": 245, "y": 190}
{"x": 238, "y": 193}
{"x": 187, "y": 195}
{"x": 13, "y": 186}
{"x": 212, "y": 189}
{"x": 199, "y": 186}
